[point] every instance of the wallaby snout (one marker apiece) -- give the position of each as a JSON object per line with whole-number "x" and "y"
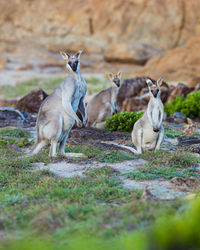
{"x": 156, "y": 130}
{"x": 73, "y": 65}
{"x": 117, "y": 82}
{"x": 72, "y": 61}
{"x": 155, "y": 92}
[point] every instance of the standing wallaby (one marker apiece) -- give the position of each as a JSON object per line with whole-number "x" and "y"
{"x": 57, "y": 113}
{"x": 148, "y": 131}
{"x": 103, "y": 104}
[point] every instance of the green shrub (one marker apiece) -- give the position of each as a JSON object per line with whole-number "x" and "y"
{"x": 188, "y": 106}
{"x": 123, "y": 121}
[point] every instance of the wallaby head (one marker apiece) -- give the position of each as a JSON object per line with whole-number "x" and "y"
{"x": 72, "y": 61}
{"x": 154, "y": 89}
{"x": 115, "y": 79}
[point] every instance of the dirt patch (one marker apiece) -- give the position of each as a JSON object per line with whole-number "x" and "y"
{"x": 93, "y": 134}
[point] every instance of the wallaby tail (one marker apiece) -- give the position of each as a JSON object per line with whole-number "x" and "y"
{"x": 121, "y": 146}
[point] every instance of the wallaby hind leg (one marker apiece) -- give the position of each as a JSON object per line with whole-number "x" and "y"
{"x": 160, "y": 138}
{"x": 38, "y": 147}
{"x": 61, "y": 149}
{"x": 52, "y": 152}
{"x": 137, "y": 137}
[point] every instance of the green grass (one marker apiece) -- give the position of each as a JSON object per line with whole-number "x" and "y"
{"x": 177, "y": 159}
{"x": 38, "y": 201}
{"x": 91, "y": 152}
{"x": 115, "y": 156}
{"x": 39, "y": 210}
{"x": 100, "y": 171}
{"x": 14, "y": 132}
{"x": 152, "y": 173}
{"x": 166, "y": 165}
{"x": 172, "y": 133}
{"x": 96, "y": 205}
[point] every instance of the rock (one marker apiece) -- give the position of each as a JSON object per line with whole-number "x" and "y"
{"x": 3, "y": 62}
{"x": 180, "y": 90}
{"x": 178, "y": 117}
{"x": 197, "y": 87}
{"x": 190, "y": 182}
{"x": 29, "y": 103}
{"x": 135, "y": 104}
{"x": 194, "y": 82}
{"x": 148, "y": 196}
{"x": 178, "y": 63}
{"x": 93, "y": 25}
{"x": 13, "y": 117}
{"x": 130, "y": 87}
{"x": 135, "y": 53}
{"x": 32, "y": 101}
{"x": 133, "y": 94}
{"x": 194, "y": 148}
{"x": 188, "y": 140}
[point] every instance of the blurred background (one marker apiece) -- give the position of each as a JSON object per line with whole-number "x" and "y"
{"x": 139, "y": 37}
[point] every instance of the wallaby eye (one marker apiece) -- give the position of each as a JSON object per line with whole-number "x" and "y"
{"x": 70, "y": 64}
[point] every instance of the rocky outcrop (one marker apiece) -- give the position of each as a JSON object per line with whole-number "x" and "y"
{"x": 133, "y": 94}
{"x": 94, "y": 25}
{"x": 181, "y": 89}
{"x": 179, "y": 63}
{"x": 29, "y": 103}
{"x": 135, "y": 53}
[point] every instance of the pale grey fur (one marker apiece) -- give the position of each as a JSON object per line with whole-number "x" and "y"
{"x": 143, "y": 135}
{"x": 57, "y": 114}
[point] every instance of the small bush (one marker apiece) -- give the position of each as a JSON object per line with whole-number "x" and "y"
{"x": 123, "y": 121}
{"x": 188, "y": 106}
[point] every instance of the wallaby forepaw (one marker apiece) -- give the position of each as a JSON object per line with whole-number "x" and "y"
{"x": 79, "y": 124}
{"x": 85, "y": 122}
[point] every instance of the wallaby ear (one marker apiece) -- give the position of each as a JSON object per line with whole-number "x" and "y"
{"x": 159, "y": 82}
{"x": 78, "y": 53}
{"x": 64, "y": 55}
{"x": 119, "y": 74}
{"x": 149, "y": 82}
{"x": 111, "y": 76}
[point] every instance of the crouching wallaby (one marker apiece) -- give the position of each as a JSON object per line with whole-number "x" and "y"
{"x": 103, "y": 104}
{"x": 148, "y": 131}
{"x": 57, "y": 113}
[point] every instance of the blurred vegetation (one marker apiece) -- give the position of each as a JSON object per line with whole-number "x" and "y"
{"x": 189, "y": 106}
{"x": 49, "y": 85}
{"x": 123, "y": 121}
{"x": 179, "y": 231}
{"x": 23, "y": 88}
